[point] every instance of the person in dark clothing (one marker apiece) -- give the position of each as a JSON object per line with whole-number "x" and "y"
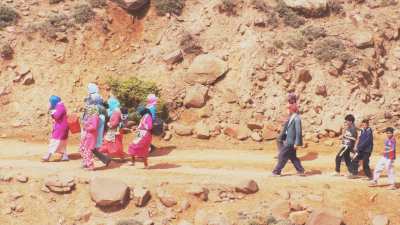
{"x": 291, "y": 136}
{"x": 363, "y": 151}
{"x": 348, "y": 141}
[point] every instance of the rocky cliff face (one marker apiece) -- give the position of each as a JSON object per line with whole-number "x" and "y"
{"x": 225, "y": 69}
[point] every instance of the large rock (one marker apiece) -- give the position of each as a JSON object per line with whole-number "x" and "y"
{"x": 332, "y": 125}
{"x": 107, "y": 192}
{"x": 141, "y": 196}
{"x": 247, "y": 187}
{"x": 280, "y": 209}
{"x": 199, "y": 192}
{"x": 363, "y": 39}
{"x": 60, "y": 184}
{"x": 166, "y": 199}
{"x": 268, "y": 134}
{"x": 183, "y": 130}
{"x": 173, "y": 57}
{"x": 325, "y": 217}
{"x": 202, "y": 130}
{"x": 196, "y": 96}
{"x": 206, "y": 69}
{"x": 380, "y": 220}
{"x": 309, "y": 7}
{"x": 299, "y": 218}
{"x": 131, "y": 5}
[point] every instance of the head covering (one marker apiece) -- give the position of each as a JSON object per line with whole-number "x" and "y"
{"x": 151, "y": 100}
{"x": 54, "y": 100}
{"x": 292, "y": 98}
{"x": 92, "y": 88}
{"x": 92, "y": 110}
{"x": 113, "y": 104}
{"x": 141, "y": 110}
{"x": 293, "y": 108}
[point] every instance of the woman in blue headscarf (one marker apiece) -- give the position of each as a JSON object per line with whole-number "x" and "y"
{"x": 112, "y": 144}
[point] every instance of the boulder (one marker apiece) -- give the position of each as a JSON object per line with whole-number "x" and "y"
{"x": 255, "y": 125}
{"x": 166, "y": 199}
{"x": 199, "y": 192}
{"x": 60, "y": 184}
{"x": 268, "y": 134}
{"x": 280, "y": 209}
{"x": 202, "y": 130}
{"x": 22, "y": 179}
{"x": 299, "y": 218}
{"x": 196, "y": 96}
{"x": 141, "y": 196}
{"x": 310, "y": 8}
{"x": 131, "y": 5}
{"x": 183, "y": 130}
{"x": 256, "y": 137}
{"x": 173, "y": 57}
{"x": 363, "y": 39}
{"x": 304, "y": 76}
{"x": 321, "y": 90}
{"x": 325, "y": 217}
{"x": 243, "y": 133}
{"x": 231, "y": 131}
{"x": 247, "y": 187}
{"x": 380, "y": 220}
{"x": 28, "y": 80}
{"x": 106, "y": 192}
{"x": 206, "y": 69}
{"x": 332, "y": 125}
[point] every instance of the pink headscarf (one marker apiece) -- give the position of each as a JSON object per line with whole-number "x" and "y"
{"x": 152, "y": 100}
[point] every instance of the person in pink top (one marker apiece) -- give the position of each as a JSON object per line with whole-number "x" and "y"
{"x": 88, "y": 142}
{"x": 139, "y": 148}
{"x": 59, "y": 135}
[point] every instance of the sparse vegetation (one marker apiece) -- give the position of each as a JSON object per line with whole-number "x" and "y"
{"x": 6, "y": 51}
{"x": 164, "y": 7}
{"x": 53, "y": 24}
{"x": 98, "y": 3}
{"x": 329, "y": 48}
{"x": 278, "y": 44}
{"x": 229, "y": 7}
{"x": 133, "y": 92}
{"x": 335, "y": 7}
{"x": 55, "y": 1}
{"x": 8, "y": 16}
{"x": 290, "y": 17}
{"x": 297, "y": 41}
{"x": 190, "y": 45}
{"x": 83, "y": 13}
{"x": 312, "y": 33}
{"x": 261, "y": 5}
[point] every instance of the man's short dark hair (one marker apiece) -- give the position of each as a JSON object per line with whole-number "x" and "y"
{"x": 350, "y": 118}
{"x": 366, "y": 121}
{"x": 389, "y": 130}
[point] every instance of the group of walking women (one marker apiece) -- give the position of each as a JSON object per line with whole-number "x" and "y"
{"x": 101, "y": 133}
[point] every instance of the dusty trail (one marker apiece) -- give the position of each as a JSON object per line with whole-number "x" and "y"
{"x": 182, "y": 166}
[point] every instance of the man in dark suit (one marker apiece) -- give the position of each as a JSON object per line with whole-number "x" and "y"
{"x": 291, "y": 136}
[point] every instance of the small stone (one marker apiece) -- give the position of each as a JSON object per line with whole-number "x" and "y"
{"x": 373, "y": 197}
{"x": 256, "y": 136}
{"x": 173, "y": 57}
{"x": 380, "y": 220}
{"x": 141, "y": 196}
{"x": 199, "y": 192}
{"x": 22, "y": 179}
{"x": 184, "y": 205}
{"x": 16, "y": 195}
{"x": 247, "y": 187}
{"x": 19, "y": 209}
{"x": 315, "y": 198}
{"x": 299, "y": 218}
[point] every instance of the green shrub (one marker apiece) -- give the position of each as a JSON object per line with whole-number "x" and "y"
{"x": 51, "y": 2}
{"x": 290, "y": 17}
{"x": 6, "y": 51}
{"x": 169, "y": 6}
{"x": 98, "y": 3}
{"x": 8, "y": 16}
{"x": 133, "y": 92}
{"x": 83, "y": 14}
{"x": 228, "y": 7}
{"x": 329, "y": 48}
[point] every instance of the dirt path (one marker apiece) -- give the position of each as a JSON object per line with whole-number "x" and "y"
{"x": 182, "y": 166}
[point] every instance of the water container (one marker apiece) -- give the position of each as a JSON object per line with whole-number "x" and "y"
{"x": 73, "y": 124}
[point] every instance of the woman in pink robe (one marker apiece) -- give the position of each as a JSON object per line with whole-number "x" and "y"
{"x": 139, "y": 148}
{"x": 88, "y": 143}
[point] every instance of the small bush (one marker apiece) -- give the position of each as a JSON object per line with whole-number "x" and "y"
{"x": 8, "y": 16}
{"x": 83, "y": 14}
{"x": 312, "y": 33}
{"x": 190, "y": 45}
{"x": 133, "y": 92}
{"x": 98, "y": 3}
{"x": 328, "y": 49}
{"x": 261, "y": 5}
{"x": 228, "y": 7}
{"x": 6, "y": 51}
{"x": 169, "y": 6}
{"x": 278, "y": 44}
{"x": 297, "y": 41}
{"x": 53, "y": 24}
{"x": 290, "y": 17}
{"x": 51, "y": 2}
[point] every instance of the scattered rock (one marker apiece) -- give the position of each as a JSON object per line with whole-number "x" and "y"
{"x": 185, "y": 205}
{"x": 325, "y": 217}
{"x": 60, "y": 184}
{"x": 6, "y": 178}
{"x": 309, "y": 8}
{"x": 196, "y": 96}
{"x": 304, "y": 76}
{"x": 284, "y": 194}
{"x": 299, "y": 218}
{"x": 247, "y": 187}
{"x": 321, "y": 90}
{"x": 173, "y": 57}
{"x": 202, "y": 130}
{"x": 131, "y": 5}
{"x": 83, "y": 216}
{"x": 183, "y": 130}
{"x": 206, "y": 69}
{"x": 329, "y": 143}
{"x": 199, "y": 192}
{"x": 141, "y": 196}
{"x": 280, "y": 209}
{"x": 22, "y": 179}
{"x": 315, "y": 198}
{"x": 166, "y": 199}
{"x": 243, "y": 133}
{"x": 107, "y": 192}
{"x": 380, "y": 220}
{"x": 269, "y": 134}
{"x": 23, "y": 70}
{"x": 363, "y": 39}
{"x": 45, "y": 189}
{"x": 255, "y": 125}
{"x": 256, "y": 137}
{"x": 16, "y": 195}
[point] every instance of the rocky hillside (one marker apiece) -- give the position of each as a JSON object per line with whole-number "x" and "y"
{"x": 225, "y": 67}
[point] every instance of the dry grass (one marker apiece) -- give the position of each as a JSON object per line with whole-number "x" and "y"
{"x": 6, "y": 51}
{"x": 164, "y": 7}
{"x": 83, "y": 14}
{"x": 8, "y": 16}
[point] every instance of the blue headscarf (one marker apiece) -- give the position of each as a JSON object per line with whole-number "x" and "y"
{"x": 54, "y": 100}
{"x": 113, "y": 104}
{"x": 93, "y": 89}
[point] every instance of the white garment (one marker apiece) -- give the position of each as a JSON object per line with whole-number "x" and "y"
{"x": 58, "y": 146}
{"x": 388, "y": 164}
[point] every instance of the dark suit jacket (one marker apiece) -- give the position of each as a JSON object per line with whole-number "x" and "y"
{"x": 291, "y": 133}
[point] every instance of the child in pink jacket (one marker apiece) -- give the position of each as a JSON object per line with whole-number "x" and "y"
{"x": 88, "y": 143}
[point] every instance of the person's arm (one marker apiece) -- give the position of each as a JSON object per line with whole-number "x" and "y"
{"x": 114, "y": 120}
{"x": 367, "y": 141}
{"x": 59, "y": 112}
{"x": 299, "y": 133}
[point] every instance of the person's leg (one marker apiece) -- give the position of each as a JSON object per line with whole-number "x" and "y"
{"x": 296, "y": 161}
{"x": 390, "y": 172}
{"x": 53, "y": 145}
{"x": 63, "y": 150}
{"x": 366, "y": 168}
{"x": 347, "y": 160}
{"x": 338, "y": 160}
{"x": 133, "y": 160}
{"x": 103, "y": 158}
{"x": 282, "y": 160}
{"x": 378, "y": 169}
{"x": 355, "y": 164}
{"x": 146, "y": 165}
{"x": 89, "y": 159}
